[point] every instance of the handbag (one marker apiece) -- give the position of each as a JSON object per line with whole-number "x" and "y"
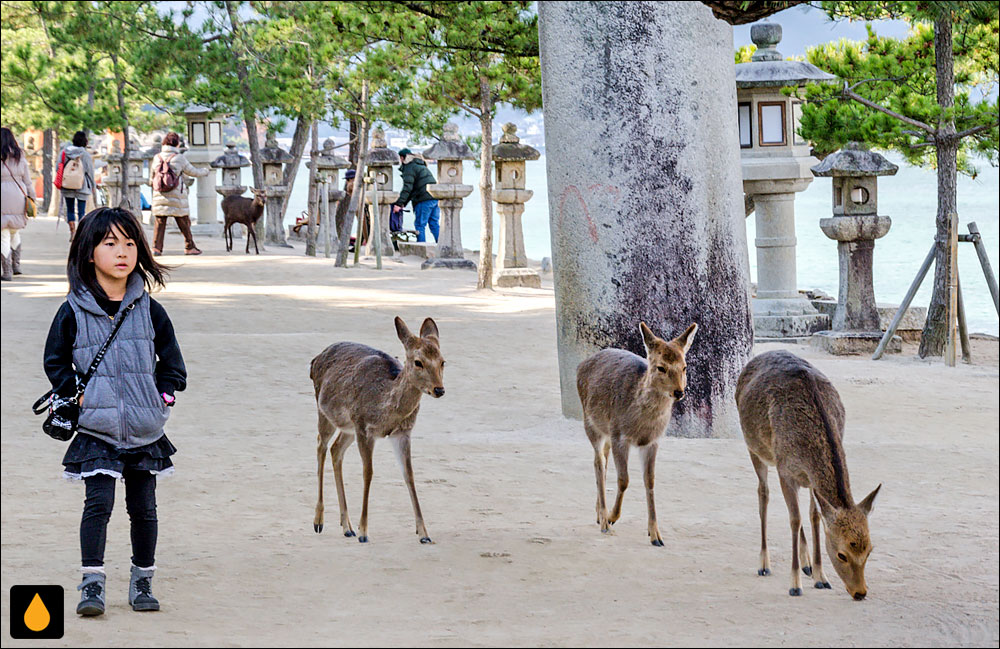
{"x": 29, "y": 204}
{"x": 64, "y": 412}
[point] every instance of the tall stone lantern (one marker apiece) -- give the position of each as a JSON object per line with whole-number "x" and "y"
{"x": 204, "y": 140}
{"x": 115, "y": 181}
{"x": 328, "y": 166}
{"x": 510, "y": 157}
{"x": 855, "y": 225}
{"x": 138, "y": 158}
{"x": 775, "y": 163}
{"x": 231, "y": 163}
{"x": 272, "y": 159}
{"x": 450, "y": 153}
{"x": 381, "y": 160}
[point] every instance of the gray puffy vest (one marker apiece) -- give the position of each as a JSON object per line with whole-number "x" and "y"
{"x": 121, "y": 405}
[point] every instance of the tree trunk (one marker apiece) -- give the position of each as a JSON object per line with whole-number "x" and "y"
{"x": 352, "y": 149}
{"x": 49, "y": 151}
{"x": 935, "y": 332}
{"x": 313, "y": 191}
{"x": 357, "y": 196}
{"x": 126, "y": 142}
{"x": 276, "y": 222}
{"x": 486, "y": 186}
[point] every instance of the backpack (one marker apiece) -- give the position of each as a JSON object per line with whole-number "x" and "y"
{"x": 70, "y": 173}
{"x": 165, "y": 179}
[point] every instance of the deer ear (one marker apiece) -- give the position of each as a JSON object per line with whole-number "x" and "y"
{"x": 648, "y": 337}
{"x": 686, "y": 338}
{"x": 868, "y": 503}
{"x": 403, "y": 332}
{"x": 429, "y": 329}
{"x": 828, "y": 510}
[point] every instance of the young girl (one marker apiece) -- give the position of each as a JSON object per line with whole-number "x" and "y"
{"x": 124, "y": 407}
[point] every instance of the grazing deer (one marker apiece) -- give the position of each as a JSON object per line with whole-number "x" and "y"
{"x": 245, "y": 211}
{"x": 365, "y": 393}
{"x": 793, "y": 419}
{"x": 627, "y": 401}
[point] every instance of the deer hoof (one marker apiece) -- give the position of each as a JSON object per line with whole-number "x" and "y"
{"x": 764, "y": 572}
{"x": 349, "y": 533}
{"x": 362, "y": 539}
{"x": 426, "y": 539}
{"x": 658, "y": 543}
{"x": 807, "y": 571}
{"x": 318, "y": 527}
{"x": 794, "y": 592}
{"x": 826, "y": 585}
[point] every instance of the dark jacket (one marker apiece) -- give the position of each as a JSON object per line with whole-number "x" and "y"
{"x": 416, "y": 177}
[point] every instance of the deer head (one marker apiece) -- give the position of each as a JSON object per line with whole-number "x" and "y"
{"x": 424, "y": 365}
{"x": 847, "y": 541}
{"x": 667, "y": 372}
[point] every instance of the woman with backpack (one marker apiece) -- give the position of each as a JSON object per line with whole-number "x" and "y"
{"x": 18, "y": 192}
{"x": 75, "y": 179}
{"x": 170, "y": 193}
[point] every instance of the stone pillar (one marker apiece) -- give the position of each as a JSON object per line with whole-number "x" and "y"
{"x": 328, "y": 166}
{"x": 136, "y": 177}
{"x": 381, "y": 159}
{"x": 509, "y": 157}
{"x": 205, "y": 145}
{"x": 115, "y": 181}
{"x": 451, "y": 152}
{"x": 644, "y": 193}
{"x": 854, "y": 226}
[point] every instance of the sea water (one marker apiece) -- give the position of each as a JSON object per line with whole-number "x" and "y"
{"x": 909, "y": 198}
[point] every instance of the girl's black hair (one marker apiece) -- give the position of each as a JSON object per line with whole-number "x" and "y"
{"x": 80, "y": 138}
{"x": 91, "y": 231}
{"x": 8, "y": 146}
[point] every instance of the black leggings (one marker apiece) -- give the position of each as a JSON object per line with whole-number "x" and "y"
{"x": 140, "y": 501}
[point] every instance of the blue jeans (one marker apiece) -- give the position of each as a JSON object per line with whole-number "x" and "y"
{"x": 424, "y": 214}
{"x": 81, "y": 206}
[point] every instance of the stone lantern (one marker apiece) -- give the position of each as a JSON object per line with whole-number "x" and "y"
{"x": 136, "y": 176}
{"x": 450, "y": 154}
{"x": 272, "y": 159}
{"x": 775, "y": 162}
{"x": 231, "y": 164}
{"x": 204, "y": 141}
{"x": 855, "y": 225}
{"x": 115, "y": 180}
{"x": 328, "y": 166}
{"x": 510, "y": 156}
{"x": 381, "y": 160}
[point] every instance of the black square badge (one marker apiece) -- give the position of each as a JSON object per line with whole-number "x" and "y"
{"x": 36, "y": 612}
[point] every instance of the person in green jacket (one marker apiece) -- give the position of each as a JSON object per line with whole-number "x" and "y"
{"x": 416, "y": 177}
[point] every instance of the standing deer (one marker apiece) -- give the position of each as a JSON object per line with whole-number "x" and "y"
{"x": 245, "y": 211}
{"x": 365, "y": 393}
{"x": 627, "y": 401}
{"x": 792, "y": 419}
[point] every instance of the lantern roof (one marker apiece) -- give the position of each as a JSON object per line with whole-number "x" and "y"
{"x": 768, "y": 68}
{"x": 328, "y": 159}
{"x": 450, "y": 147}
{"x": 271, "y": 153}
{"x": 230, "y": 159}
{"x": 855, "y": 160}
{"x": 380, "y": 155}
{"x": 510, "y": 148}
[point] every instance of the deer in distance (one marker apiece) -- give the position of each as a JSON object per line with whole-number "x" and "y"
{"x": 244, "y": 211}
{"x": 627, "y": 401}
{"x": 364, "y": 393}
{"x": 793, "y": 419}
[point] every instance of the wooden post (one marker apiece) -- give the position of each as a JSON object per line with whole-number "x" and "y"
{"x": 951, "y": 301}
{"x": 963, "y": 328}
{"x": 984, "y": 261}
{"x": 376, "y": 225}
{"x": 325, "y": 207}
{"x": 914, "y": 287}
{"x": 361, "y": 224}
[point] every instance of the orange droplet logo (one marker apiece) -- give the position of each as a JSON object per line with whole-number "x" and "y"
{"x": 36, "y": 617}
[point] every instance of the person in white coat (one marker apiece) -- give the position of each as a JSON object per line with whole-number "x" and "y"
{"x": 174, "y": 203}
{"x": 17, "y": 191}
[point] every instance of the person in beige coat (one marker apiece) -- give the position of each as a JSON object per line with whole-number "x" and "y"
{"x": 17, "y": 189}
{"x": 175, "y": 202}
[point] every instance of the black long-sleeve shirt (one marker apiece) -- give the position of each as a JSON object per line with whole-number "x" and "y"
{"x": 170, "y": 373}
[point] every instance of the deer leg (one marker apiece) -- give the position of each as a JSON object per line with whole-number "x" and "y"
{"x": 226, "y": 237}
{"x": 818, "y": 575}
{"x": 599, "y": 442}
{"x": 401, "y": 444}
{"x": 340, "y": 445}
{"x": 365, "y": 446}
{"x": 252, "y": 229}
{"x": 326, "y": 431}
{"x": 791, "y": 493}
{"x": 762, "y": 494}
{"x": 648, "y": 455}
{"x": 804, "y": 559}
{"x": 620, "y": 449}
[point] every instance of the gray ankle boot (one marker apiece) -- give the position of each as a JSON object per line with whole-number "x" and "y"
{"x": 92, "y": 594}
{"x": 15, "y": 260}
{"x": 6, "y": 272}
{"x": 140, "y": 590}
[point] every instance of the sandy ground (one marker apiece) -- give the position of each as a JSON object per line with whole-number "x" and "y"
{"x": 505, "y": 482}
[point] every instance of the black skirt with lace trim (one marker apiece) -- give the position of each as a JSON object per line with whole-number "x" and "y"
{"x": 88, "y": 456}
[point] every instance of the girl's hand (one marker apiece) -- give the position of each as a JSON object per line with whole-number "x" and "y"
{"x": 80, "y": 401}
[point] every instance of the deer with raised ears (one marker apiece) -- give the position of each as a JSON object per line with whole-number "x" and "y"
{"x": 364, "y": 393}
{"x": 244, "y": 211}
{"x": 793, "y": 419}
{"x": 627, "y": 401}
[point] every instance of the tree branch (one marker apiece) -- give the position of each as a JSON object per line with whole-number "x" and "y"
{"x": 850, "y": 94}
{"x": 975, "y": 129}
{"x": 461, "y": 105}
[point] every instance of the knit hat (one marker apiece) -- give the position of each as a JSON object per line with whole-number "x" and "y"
{"x": 404, "y": 152}
{"x": 350, "y": 173}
